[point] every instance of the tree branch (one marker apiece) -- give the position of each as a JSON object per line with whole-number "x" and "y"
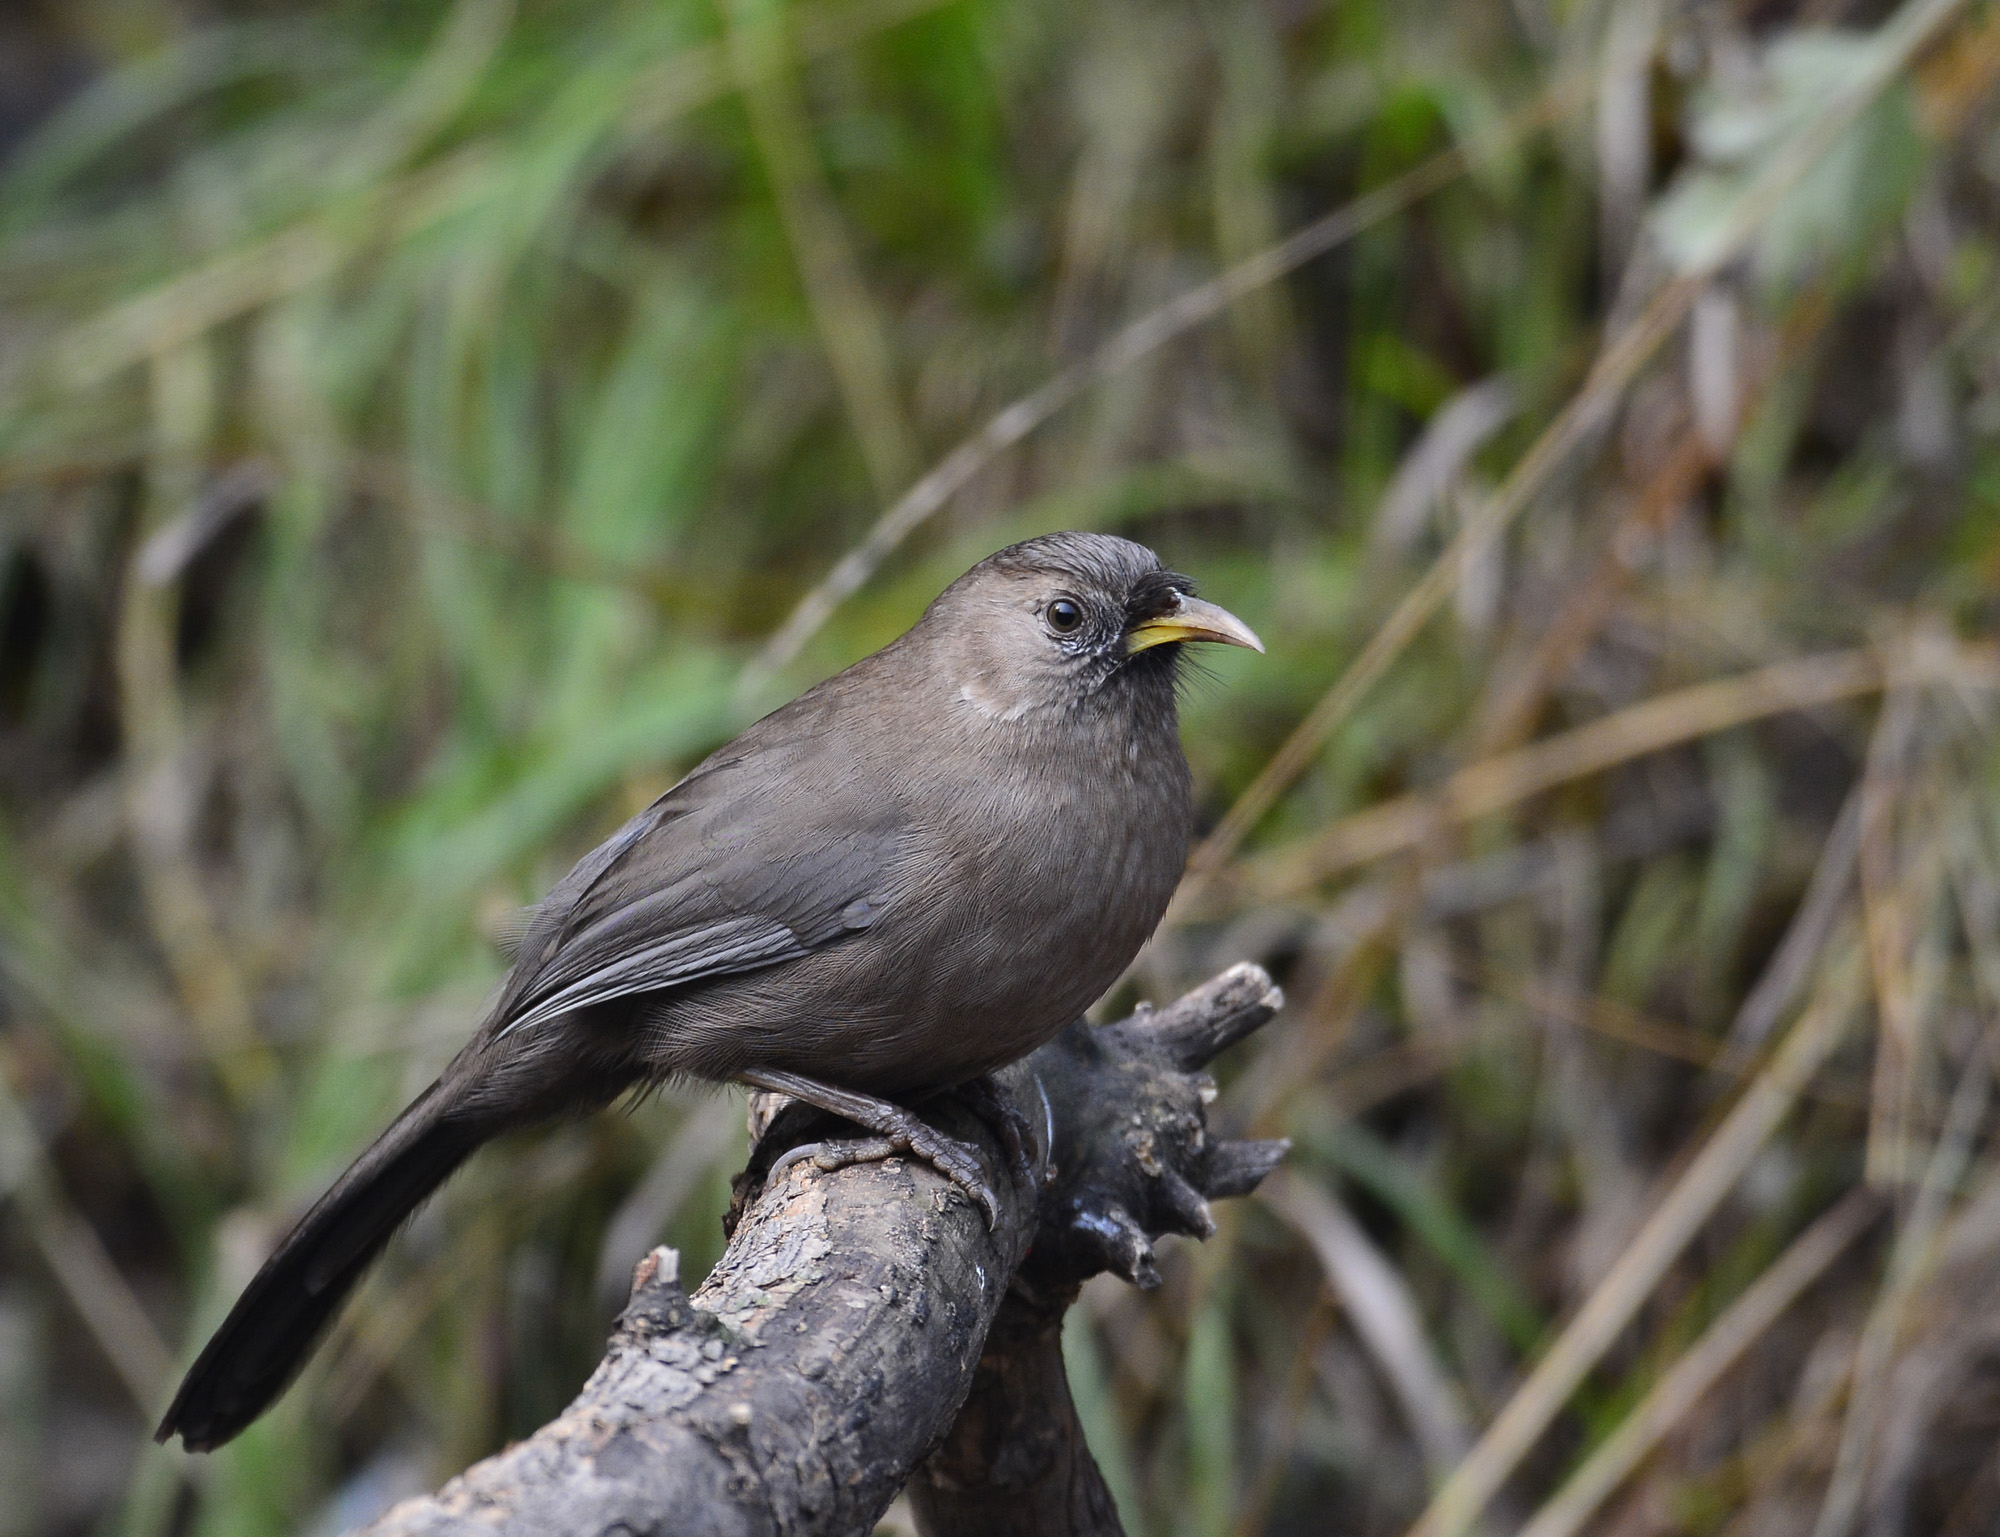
{"x": 865, "y": 1330}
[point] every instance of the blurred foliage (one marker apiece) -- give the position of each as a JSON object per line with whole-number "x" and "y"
{"x": 414, "y": 417}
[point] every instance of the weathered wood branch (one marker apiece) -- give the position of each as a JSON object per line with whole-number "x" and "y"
{"x": 865, "y": 1329}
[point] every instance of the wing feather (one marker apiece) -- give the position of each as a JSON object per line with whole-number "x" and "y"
{"x": 735, "y": 944}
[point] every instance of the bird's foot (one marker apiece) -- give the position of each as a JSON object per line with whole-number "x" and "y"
{"x": 896, "y": 1131}
{"x": 983, "y": 1097}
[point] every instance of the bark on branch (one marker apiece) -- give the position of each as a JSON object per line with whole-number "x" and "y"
{"x": 864, "y": 1330}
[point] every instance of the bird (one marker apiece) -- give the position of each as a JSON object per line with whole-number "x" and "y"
{"x": 913, "y": 874}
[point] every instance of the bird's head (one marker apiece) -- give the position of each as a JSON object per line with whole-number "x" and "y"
{"x": 1068, "y": 617}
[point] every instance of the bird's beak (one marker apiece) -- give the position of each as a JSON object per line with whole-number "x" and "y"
{"x": 1191, "y": 619}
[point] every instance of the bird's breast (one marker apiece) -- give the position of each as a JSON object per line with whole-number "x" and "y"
{"x": 1042, "y": 878}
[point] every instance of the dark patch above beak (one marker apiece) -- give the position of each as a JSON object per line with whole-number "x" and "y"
{"x": 1191, "y": 618}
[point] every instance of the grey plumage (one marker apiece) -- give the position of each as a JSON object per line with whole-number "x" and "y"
{"x": 912, "y": 874}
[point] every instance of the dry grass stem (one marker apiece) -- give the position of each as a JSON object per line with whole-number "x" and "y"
{"x": 1697, "y": 1369}
{"x": 1812, "y": 924}
{"x": 1384, "y": 1314}
{"x": 1887, "y": 923}
{"x": 1707, "y": 1179}
{"x": 1910, "y": 1264}
{"x": 1616, "y": 1022}
{"x": 1506, "y": 716}
{"x": 1664, "y": 721}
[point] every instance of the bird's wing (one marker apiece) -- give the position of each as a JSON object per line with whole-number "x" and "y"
{"x": 725, "y": 873}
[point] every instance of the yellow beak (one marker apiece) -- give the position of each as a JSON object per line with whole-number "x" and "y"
{"x": 1191, "y": 619}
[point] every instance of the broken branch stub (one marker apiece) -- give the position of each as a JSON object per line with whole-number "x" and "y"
{"x": 1133, "y": 1159}
{"x": 866, "y": 1329}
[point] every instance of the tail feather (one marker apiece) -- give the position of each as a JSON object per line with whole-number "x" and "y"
{"x": 282, "y": 1313}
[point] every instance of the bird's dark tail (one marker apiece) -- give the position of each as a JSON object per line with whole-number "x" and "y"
{"x": 281, "y": 1314}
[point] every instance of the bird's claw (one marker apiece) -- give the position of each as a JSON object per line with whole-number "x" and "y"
{"x": 834, "y": 1153}
{"x": 983, "y": 1097}
{"x": 957, "y": 1162}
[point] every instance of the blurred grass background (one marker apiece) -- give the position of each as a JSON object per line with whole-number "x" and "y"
{"x": 418, "y": 420}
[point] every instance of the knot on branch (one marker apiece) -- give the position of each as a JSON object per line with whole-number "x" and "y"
{"x": 659, "y": 1304}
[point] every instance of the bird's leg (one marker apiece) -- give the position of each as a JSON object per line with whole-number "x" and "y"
{"x": 896, "y": 1131}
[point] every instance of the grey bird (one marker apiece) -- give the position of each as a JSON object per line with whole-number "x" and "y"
{"x": 913, "y": 874}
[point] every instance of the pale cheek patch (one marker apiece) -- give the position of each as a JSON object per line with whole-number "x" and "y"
{"x": 988, "y": 709}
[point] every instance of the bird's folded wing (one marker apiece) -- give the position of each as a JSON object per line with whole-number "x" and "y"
{"x": 733, "y": 944}
{"x": 708, "y": 881}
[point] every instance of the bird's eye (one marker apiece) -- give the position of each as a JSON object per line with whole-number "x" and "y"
{"x": 1064, "y": 615}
